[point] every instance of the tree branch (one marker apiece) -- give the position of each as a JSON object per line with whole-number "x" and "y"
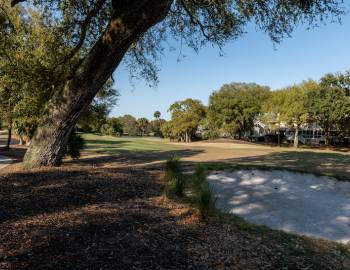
{"x": 84, "y": 27}
{"x": 15, "y": 2}
{"x": 195, "y": 20}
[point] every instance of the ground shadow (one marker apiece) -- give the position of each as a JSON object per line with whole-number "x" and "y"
{"x": 137, "y": 157}
{"x": 96, "y": 218}
{"x": 335, "y": 164}
{"x": 16, "y": 153}
{"x": 25, "y": 194}
{"x": 301, "y": 203}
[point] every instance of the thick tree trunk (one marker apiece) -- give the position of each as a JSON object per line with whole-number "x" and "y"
{"x": 296, "y": 137}
{"x": 130, "y": 20}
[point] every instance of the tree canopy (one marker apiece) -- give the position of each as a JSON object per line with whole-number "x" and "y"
{"x": 234, "y": 107}
{"x": 87, "y": 40}
{"x": 186, "y": 116}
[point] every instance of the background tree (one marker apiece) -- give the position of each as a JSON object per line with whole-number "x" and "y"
{"x": 97, "y": 112}
{"x": 28, "y": 73}
{"x": 234, "y": 107}
{"x": 339, "y": 80}
{"x": 100, "y": 33}
{"x": 8, "y": 100}
{"x": 154, "y": 126}
{"x": 330, "y": 108}
{"x": 291, "y": 104}
{"x": 142, "y": 124}
{"x": 157, "y": 115}
{"x": 112, "y": 127}
{"x": 185, "y": 118}
{"x": 129, "y": 124}
{"x": 167, "y": 130}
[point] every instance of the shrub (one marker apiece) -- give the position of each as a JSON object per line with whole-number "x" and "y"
{"x": 75, "y": 145}
{"x": 206, "y": 199}
{"x": 198, "y": 177}
{"x": 173, "y": 168}
{"x": 175, "y": 186}
{"x": 175, "y": 180}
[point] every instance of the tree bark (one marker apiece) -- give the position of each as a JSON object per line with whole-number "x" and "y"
{"x": 327, "y": 136}
{"x": 129, "y": 21}
{"x": 296, "y": 137}
{"x": 9, "y": 137}
{"x": 21, "y": 141}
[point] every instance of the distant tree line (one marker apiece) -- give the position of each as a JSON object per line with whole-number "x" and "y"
{"x": 126, "y": 125}
{"x": 232, "y": 110}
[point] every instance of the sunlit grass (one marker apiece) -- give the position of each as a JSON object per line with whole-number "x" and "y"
{"x": 114, "y": 145}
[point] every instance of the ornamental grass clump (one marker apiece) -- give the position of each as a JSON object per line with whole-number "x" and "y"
{"x": 175, "y": 180}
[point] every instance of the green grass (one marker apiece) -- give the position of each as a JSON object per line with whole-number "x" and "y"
{"x": 331, "y": 163}
{"x": 115, "y": 145}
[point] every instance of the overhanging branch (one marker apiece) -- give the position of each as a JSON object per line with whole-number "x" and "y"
{"x": 15, "y": 2}
{"x": 195, "y": 20}
{"x": 84, "y": 28}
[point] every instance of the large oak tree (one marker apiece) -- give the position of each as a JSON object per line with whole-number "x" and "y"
{"x": 102, "y": 33}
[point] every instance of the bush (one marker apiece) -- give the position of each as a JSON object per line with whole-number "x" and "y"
{"x": 206, "y": 199}
{"x": 75, "y": 145}
{"x": 173, "y": 168}
{"x": 175, "y": 180}
{"x": 175, "y": 186}
{"x": 198, "y": 177}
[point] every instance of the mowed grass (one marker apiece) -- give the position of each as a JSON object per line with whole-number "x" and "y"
{"x": 324, "y": 162}
{"x": 116, "y": 145}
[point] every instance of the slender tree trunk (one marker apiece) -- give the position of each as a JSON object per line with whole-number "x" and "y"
{"x": 9, "y": 137}
{"x": 21, "y": 141}
{"x": 327, "y": 137}
{"x": 128, "y": 22}
{"x": 296, "y": 137}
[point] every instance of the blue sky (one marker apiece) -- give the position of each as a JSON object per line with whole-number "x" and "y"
{"x": 251, "y": 58}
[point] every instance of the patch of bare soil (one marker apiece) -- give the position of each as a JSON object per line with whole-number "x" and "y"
{"x": 115, "y": 217}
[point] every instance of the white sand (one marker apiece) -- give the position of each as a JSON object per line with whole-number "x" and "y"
{"x": 294, "y": 202}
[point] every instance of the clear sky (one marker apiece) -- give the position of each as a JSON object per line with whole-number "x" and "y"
{"x": 251, "y": 58}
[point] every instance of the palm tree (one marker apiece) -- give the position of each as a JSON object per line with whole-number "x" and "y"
{"x": 157, "y": 115}
{"x": 142, "y": 124}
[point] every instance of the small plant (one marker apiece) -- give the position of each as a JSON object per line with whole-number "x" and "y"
{"x": 75, "y": 145}
{"x": 206, "y": 199}
{"x": 175, "y": 180}
{"x": 173, "y": 168}
{"x": 198, "y": 177}
{"x": 176, "y": 186}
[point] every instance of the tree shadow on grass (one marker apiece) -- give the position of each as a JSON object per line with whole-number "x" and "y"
{"x": 333, "y": 164}
{"x": 137, "y": 157}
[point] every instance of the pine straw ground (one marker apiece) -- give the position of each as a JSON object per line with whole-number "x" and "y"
{"x": 115, "y": 216}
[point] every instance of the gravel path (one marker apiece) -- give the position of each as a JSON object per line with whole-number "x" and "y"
{"x": 294, "y": 202}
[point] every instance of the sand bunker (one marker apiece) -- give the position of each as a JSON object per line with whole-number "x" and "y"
{"x": 294, "y": 202}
